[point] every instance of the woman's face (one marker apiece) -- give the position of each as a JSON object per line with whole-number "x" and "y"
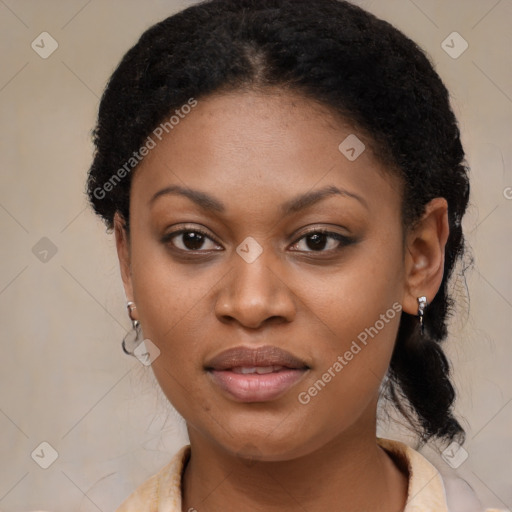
{"x": 254, "y": 279}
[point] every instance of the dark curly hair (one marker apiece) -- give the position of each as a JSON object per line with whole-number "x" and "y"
{"x": 361, "y": 68}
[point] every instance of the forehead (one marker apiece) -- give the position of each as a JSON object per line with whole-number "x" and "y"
{"x": 256, "y": 148}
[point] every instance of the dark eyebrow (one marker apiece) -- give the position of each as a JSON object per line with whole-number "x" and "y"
{"x": 205, "y": 201}
{"x": 209, "y": 203}
{"x": 314, "y": 196}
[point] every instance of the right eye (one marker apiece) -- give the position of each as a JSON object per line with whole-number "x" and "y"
{"x": 188, "y": 240}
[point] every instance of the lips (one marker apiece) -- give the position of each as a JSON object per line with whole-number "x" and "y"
{"x": 255, "y": 375}
{"x": 242, "y": 357}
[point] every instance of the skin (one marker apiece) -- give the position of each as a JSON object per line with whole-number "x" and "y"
{"x": 254, "y": 151}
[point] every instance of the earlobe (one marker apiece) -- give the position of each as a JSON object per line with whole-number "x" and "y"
{"x": 123, "y": 254}
{"x": 425, "y": 255}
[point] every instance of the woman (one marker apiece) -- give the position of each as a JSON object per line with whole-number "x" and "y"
{"x": 286, "y": 183}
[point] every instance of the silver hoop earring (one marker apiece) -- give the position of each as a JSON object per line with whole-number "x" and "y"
{"x": 134, "y": 337}
{"x": 422, "y": 304}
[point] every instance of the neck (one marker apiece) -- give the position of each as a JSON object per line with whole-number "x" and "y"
{"x": 350, "y": 473}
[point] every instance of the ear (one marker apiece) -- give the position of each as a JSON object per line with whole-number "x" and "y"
{"x": 424, "y": 255}
{"x": 123, "y": 253}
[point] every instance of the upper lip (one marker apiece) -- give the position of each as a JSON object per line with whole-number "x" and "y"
{"x": 250, "y": 357}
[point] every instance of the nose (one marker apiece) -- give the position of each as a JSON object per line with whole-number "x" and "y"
{"x": 254, "y": 294}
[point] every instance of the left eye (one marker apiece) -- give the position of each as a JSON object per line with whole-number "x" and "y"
{"x": 319, "y": 239}
{"x": 192, "y": 239}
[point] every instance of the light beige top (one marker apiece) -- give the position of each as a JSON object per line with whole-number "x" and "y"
{"x": 426, "y": 491}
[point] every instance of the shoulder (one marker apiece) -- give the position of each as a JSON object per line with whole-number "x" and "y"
{"x": 428, "y": 489}
{"x": 161, "y": 492}
{"x": 425, "y": 490}
{"x": 144, "y": 499}
{"x": 462, "y": 498}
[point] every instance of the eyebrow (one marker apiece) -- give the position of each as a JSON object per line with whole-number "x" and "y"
{"x": 300, "y": 202}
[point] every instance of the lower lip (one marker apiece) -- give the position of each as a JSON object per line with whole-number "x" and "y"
{"x": 256, "y": 387}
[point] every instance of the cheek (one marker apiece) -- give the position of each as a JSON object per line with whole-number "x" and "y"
{"x": 166, "y": 292}
{"x": 352, "y": 358}
{"x": 176, "y": 315}
{"x": 351, "y": 299}
{"x": 357, "y": 311}
{"x": 171, "y": 312}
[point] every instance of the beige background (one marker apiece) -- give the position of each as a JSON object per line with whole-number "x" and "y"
{"x": 64, "y": 379}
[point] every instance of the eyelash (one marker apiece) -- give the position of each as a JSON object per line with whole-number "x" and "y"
{"x": 344, "y": 240}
